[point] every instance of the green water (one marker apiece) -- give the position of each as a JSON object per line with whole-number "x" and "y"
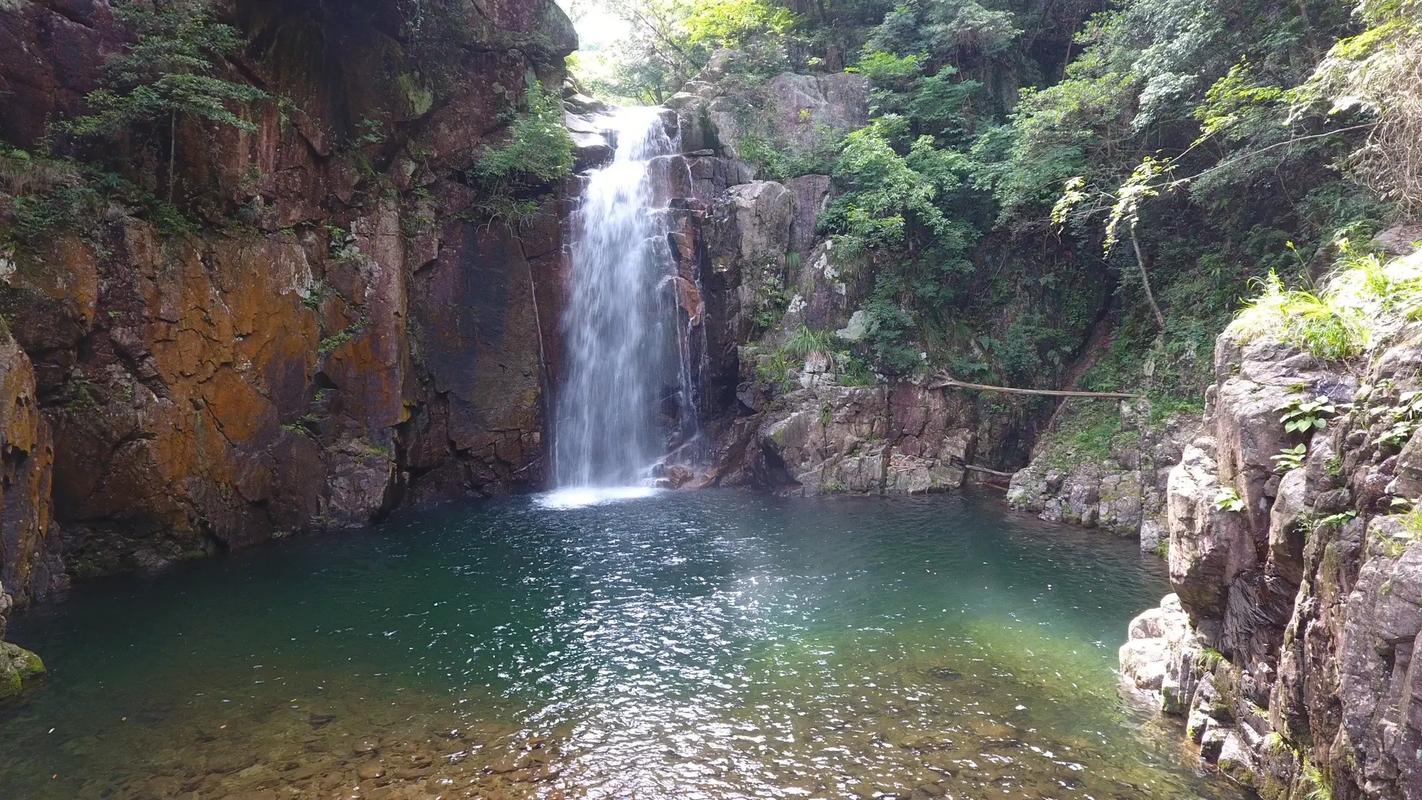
{"x": 706, "y": 645}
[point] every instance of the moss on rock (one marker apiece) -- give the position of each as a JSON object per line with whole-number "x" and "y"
{"x": 18, "y": 668}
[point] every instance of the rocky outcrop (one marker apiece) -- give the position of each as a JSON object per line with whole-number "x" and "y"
{"x": 859, "y": 440}
{"x": 1121, "y": 488}
{"x": 1301, "y": 586}
{"x": 30, "y": 561}
{"x": 803, "y": 115}
{"x": 783, "y": 416}
{"x": 802, "y": 425}
{"x": 337, "y": 322}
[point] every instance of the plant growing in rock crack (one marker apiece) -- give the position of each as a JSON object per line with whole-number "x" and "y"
{"x": 1290, "y": 458}
{"x": 1304, "y": 415}
{"x": 343, "y": 246}
{"x": 1406, "y": 416}
{"x": 1319, "y": 787}
{"x": 1337, "y": 520}
{"x": 1228, "y": 499}
{"x": 807, "y": 341}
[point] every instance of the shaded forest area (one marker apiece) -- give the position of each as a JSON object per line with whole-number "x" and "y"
{"x": 1034, "y": 168}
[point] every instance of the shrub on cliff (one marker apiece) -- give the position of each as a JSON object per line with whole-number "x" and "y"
{"x": 1366, "y": 300}
{"x": 172, "y": 71}
{"x": 538, "y": 152}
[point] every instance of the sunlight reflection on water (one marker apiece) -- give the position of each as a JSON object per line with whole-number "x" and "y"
{"x": 584, "y": 496}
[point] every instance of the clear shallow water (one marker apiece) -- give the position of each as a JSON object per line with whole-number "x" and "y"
{"x": 706, "y": 645}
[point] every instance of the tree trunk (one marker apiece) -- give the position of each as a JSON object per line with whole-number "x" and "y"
{"x": 172, "y": 152}
{"x": 1145, "y": 279}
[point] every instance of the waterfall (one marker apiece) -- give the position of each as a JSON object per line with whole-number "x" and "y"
{"x": 626, "y": 398}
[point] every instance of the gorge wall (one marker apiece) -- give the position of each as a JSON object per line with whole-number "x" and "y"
{"x": 1290, "y": 645}
{"x": 336, "y": 326}
{"x": 790, "y": 410}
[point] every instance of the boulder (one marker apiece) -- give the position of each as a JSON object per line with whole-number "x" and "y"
{"x": 18, "y": 669}
{"x": 1153, "y": 636}
{"x": 800, "y": 114}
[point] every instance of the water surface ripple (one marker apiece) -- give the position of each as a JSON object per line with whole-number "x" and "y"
{"x": 708, "y": 645}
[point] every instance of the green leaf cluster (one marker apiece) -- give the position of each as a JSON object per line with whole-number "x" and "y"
{"x": 538, "y": 150}
{"x": 173, "y": 69}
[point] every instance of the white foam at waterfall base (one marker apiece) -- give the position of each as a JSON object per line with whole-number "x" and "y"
{"x": 585, "y": 496}
{"x": 625, "y": 354}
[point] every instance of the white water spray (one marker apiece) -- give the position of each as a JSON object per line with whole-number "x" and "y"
{"x": 626, "y": 396}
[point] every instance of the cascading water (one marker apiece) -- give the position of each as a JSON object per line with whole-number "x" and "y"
{"x": 627, "y": 395}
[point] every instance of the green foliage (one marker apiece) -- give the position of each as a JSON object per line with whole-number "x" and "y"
{"x": 1290, "y": 458}
{"x": 883, "y": 68}
{"x": 806, "y": 342}
{"x": 776, "y": 161}
{"x": 890, "y": 339}
{"x": 1228, "y": 499}
{"x": 539, "y": 150}
{"x": 1316, "y": 782}
{"x": 1327, "y": 329}
{"x": 172, "y": 69}
{"x": 773, "y": 369}
{"x": 670, "y": 41}
{"x": 1335, "y": 521}
{"x": 1304, "y": 415}
{"x": 770, "y": 303}
{"x": 512, "y": 211}
{"x": 35, "y": 216}
{"x": 1084, "y": 434}
{"x": 1367, "y": 299}
{"x": 1406, "y": 417}
{"x": 853, "y": 371}
{"x": 342, "y": 245}
{"x": 891, "y": 212}
{"x": 946, "y": 29}
{"x": 1374, "y": 74}
{"x": 343, "y": 337}
{"x": 728, "y": 23}
{"x": 49, "y": 195}
{"x": 885, "y": 197}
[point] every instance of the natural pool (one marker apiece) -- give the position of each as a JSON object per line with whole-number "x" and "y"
{"x": 702, "y": 645}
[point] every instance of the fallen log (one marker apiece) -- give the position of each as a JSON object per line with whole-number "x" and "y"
{"x": 952, "y": 383}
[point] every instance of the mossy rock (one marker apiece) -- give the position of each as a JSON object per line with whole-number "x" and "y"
{"x": 18, "y": 668}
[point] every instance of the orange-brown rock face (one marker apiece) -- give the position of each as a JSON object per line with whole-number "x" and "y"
{"x": 29, "y": 565}
{"x": 338, "y": 330}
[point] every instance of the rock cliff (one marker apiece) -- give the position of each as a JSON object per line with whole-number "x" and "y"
{"x": 788, "y": 411}
{"x": 1289, "y": 643}
{"x": 1113, "y": 479}
{"x": 335, "y": 323}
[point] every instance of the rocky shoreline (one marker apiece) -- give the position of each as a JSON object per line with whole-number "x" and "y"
{"x": 1289, "y": 645}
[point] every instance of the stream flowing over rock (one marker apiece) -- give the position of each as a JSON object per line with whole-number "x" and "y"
{"x": 1289, "y": 645}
